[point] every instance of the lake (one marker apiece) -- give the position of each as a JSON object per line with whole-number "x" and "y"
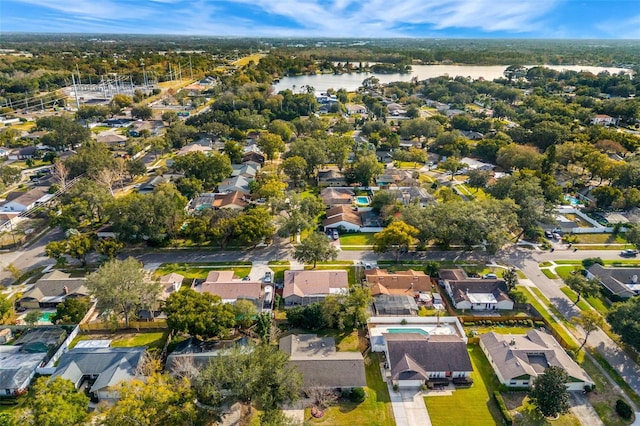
{"x": 350, "y": 82}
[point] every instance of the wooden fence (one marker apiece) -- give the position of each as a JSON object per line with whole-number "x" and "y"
{"x": 133, "y": 325}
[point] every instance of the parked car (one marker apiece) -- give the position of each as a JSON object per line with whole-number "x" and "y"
{"x": 489, "y": 277}
{"x": 548, "y": 234}
{"x": 628, "y": 253}
{"x": 335, "y": 235}
{"x": 267, "y": 277}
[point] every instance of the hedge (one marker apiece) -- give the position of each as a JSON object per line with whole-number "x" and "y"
{"x": 503, "y": 408}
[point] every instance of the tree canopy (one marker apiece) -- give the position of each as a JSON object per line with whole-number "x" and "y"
{"x": 199, "y": 314}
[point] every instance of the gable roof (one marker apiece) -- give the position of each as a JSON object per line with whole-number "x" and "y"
{"x": 342, "y": 214}
{"x": 230, "y": 199}
{"x": 461, "y": 290}
{"x": 321, "y": 365}
{"x": 26, "y": 198}
{"x": 529, "y": 354}
{"x": 56, "y": 286}
{"x": 307, "y": 283}
{"x": 618, "y": 281}
{"x": 170, "y": 283}
{"x": 111, "y": 365}
{"x": 337, "y": 195}
{"x": 222, "y": 283}
{"x": 237, "y": 183}
{"x": 399, "y": 282}
{"x": 413, "y": 355}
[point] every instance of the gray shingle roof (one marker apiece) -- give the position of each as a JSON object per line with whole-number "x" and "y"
{"x": 430, "y": 353}
{"x": 111, "y": 365}
{"x": 321, "y": 365}
{"x": 616, "y": 279}
{"x": 518, "y": 355}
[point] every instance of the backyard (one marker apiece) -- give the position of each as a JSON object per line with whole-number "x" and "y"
{"x": 200, "y": 270}
{"x": 153, "y": 340}
{"x": 375, "y": 410}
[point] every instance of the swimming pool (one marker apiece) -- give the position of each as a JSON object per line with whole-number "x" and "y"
{"x": 571, "y": 200}
{"x": 363, "y": 200}
{"x": 46, "y": 317}
{"x": 408, "y": 330}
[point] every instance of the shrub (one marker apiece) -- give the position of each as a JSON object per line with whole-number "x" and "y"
{"x": 395, "y": 387}
{"x": 623, "y": 409}
{"x": 503, "y": 408}
{"x": 357, "y": 395}
{"x": 590, "y": 261}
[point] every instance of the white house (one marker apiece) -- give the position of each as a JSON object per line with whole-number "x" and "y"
{"x": 604, "y": 120}
{"x": 342, "y": 216}
{"x": 22, "y": 201}
{"x": 518, "y": 359}
{"x": 474, "y": 293}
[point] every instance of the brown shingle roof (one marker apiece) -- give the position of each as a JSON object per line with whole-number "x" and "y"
{"x": 221, "y": 283}
{"x": 303, "y": 283}
{"x": 400, "y": 282}
{"x": 235, "y": 198}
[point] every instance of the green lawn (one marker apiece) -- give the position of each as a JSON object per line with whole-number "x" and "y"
{"x": 500, "y": 329}
{"x": 468, "y": 406}
{"x": 200, "y": 270}
{"x": 375, "y": 410}
{"x": 532, "y": 417}
{"x": 549, "y": 273}
{"x": 153, "y": 340}
{"x": 357, "y": 239}
{"x": 566, "y": 270}
{"x": 582, "y": 304}
{"x": 351, "y": 270}
{"x": 544, "y": 264}
{"x": 600, "y": 239}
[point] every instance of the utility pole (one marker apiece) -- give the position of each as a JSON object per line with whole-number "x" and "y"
{"x": 190, "y": 67}
{"x": 75, "y": 91}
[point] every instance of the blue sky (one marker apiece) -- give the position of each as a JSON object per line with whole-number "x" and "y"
{"x": 330, "y": 18}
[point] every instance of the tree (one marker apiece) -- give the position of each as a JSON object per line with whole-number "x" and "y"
{"x": 510, "y": 277}
{"x": 55, "y": 402}
{"x": 77, "y": 246}
{"x": 169, "y": 117}
{"x": 550, "y": 392}
{"x": 60, "y": 173}
{"x": 398, "y": 236}
{"x": 71, "y": 311}
{"x": 271, "y": 144}
{"x": 136, "y": 167}
{"x": 264, "y": 326}
{"x": 143, "y": 112}
{"x": 294, "y": 167}
{"x": 478, "y": 178}
{"x": 253, "y": 227}
{"x": 316, "y": 247}
{"x": 590, "y": 321}
{"x": 33, "y": 317}
{"x": 582, "y": 286}
{"x": 366, "y": 168}
{"x": 122, "y": 286}
{"x": 234, "y": 151}
{"x": 338, "y": 149}
{"x": 6, "y": 308}
{"x": 157, "y": 400}
{"x": 245, "y": 312}
{"x": 210, "y": 169}
{"x": 312, "y": 150}
{"x": 199, "y": 314}
{"x": 452, "y": 165}
{"x": 262, "y": 376}
{"x": 624, "y": 319}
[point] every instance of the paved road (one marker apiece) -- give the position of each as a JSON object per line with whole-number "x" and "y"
{"x": 30, "y": 257}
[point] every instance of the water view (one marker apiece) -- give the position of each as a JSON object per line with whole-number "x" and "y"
{"x": 350, "y": 82}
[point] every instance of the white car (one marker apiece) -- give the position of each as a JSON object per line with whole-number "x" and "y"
{"x": 335, "y": 235}
{"x": 267, "y": 277}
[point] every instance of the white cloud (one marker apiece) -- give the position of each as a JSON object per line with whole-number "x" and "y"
{"x": 623, "y": 28}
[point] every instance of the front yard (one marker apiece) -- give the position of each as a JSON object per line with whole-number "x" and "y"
{"x": 375, "y": 410}
{"x": 191, "y": 271}
{"x": 468, "y": 406}
{"x": 357, "y": 239}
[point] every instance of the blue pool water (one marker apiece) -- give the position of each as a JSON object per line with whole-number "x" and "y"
{"x": 407, "y": 330}
{"x": 45, "y": 317}
{"x": 363, "y": 200}
{"x": 572, "y": 200}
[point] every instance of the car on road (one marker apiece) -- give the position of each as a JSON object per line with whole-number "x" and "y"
{"x": 267, "y": 277}
{"x": 628, "y": 253}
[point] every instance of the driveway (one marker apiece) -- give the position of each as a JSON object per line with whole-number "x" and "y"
{"x": 409, "y": 408}
{"x": 259, "y": 269}
{"x": 583, "y": 410}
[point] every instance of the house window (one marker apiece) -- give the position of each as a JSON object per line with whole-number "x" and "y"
{"x": 525, "y": 383}
{"x": 513, "y": 382}
{"x": 7, "y": 391}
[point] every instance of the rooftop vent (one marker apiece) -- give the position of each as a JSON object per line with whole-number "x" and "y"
{"x": 634, "y": 279}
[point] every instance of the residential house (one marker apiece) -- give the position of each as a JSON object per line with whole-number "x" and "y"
{"x": 194, "y": 147}
{"x": 342, "y": 217}
{"x": 152, "y": 184}
{"x": 409, "y": 283}
{"x": 246, "y": 170}
{"x": 305, "y": 287}
{"x": 196, "y": 353}
{"x": 53, "y": 289}
{"x": 384, "y": 157}
{"x": 518, "y": 359}
{"x": 139, "y": 127}
{"x": 23, "y": 201}
{"x": 604, "y": 120}
{"x": 27, "y": 152}
{"x": 394, "y": 304}
{"x": 623, "y": 282}
{"x": 321, "y": 365}
{"x": 4, "y": 152}
{"x": 170, "y": 283}
{"x": 331, "y": 178}
{"x": 475, "y": 293}
{"x": 396, "y": 109}
{"x": 254, "y": 156}
{"x": 222, "y": 283}
{"x": 238, "y": 183}
{"x": 29, "y": 352}
{"x": 117, "y": 122}
{"x": 412, "y": 195}
{"x": 416, "y": 359}
{"x": 355, "y": 109}
{"x": 235, "y": 200}
{"x": 101, "y": 369}
{"x": 470, "y": 134}
{"x": 5, "y": 335}
{"x": 111, "y": 139}
{"x": 332, "y": 197}
{"x": 393, "y": 177}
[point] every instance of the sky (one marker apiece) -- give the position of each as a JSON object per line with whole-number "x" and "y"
{"x": 567, "y": 19}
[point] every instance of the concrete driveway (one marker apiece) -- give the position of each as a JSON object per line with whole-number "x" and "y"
{"x": 583, "y": 410}
{"x": 259, "y": 269}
